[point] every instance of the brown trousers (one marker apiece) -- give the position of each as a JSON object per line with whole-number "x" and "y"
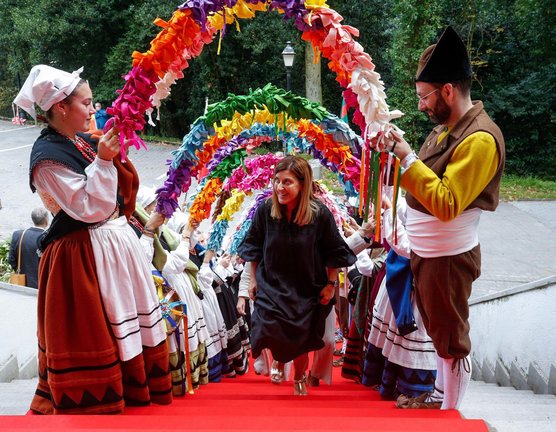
{"x": 442, "y": 289}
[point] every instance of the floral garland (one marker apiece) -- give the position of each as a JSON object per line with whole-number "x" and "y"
{"x": 196, "y": 23}
{"x": 270, "y": 112}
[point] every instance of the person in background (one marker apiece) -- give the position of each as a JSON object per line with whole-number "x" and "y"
{"x": 29, "y": 264}
{"x": 101, "y": 116}
{"x": 101, "y": 339}
{"x": 294, "y": 249}
{"x": 455, "y": 177}
{"x": 400, "y": 356}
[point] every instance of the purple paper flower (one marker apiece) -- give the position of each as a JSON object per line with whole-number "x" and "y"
{"x": 260, "y": 198}
{"x": 293, "y": 9}
{"x": 202, "y": 9}
{"x": 177, "y": 182}
{"x": 223, "y": 152}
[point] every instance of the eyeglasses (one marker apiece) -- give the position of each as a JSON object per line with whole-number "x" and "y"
{"x": 424, "y": 98}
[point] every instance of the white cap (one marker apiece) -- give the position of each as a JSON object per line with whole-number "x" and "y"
{"x": 178, "y": 220}
{"x": 145, "y": 196}
{"x": 46, "y": 86}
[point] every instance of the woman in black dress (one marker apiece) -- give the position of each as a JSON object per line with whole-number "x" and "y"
{"x": 294, "y": 249}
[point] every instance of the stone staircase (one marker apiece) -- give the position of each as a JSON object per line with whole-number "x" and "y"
{"x": 506, "y": 409}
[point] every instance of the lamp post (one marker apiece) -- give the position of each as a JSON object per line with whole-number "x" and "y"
{"x": 289, "y": 56}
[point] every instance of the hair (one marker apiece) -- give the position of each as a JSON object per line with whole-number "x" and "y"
{"x": 464, "y": 85}
{"x": 39, "y": 216}
{"x": 308, "y": 207}
{"x": 48, "y": 115}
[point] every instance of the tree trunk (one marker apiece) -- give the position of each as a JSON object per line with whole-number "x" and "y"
{"x": 313, "y": 86}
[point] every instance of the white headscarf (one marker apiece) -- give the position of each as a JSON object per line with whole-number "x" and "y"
{"x": 178, "y": 220}
{"x": 145, "y": 196}
{"x": 46, "y": 86}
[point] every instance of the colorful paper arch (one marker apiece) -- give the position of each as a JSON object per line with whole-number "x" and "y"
{"x": 263, "y": 112}
{"x": 196, "y": 23}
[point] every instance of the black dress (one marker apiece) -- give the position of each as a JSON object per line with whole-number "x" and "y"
{"x": 292, "y": 260}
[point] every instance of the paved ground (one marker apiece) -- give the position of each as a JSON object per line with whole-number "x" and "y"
{"x": 518, "y": 240}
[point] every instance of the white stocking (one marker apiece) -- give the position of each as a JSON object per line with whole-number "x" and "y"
{"x": 457, "y": 374}
{"x": 262, "y": 363}
{"x": 322, "y": 359}
{"x": 438, "y": 393}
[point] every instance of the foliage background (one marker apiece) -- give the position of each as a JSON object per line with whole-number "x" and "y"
{"x": 512, "y": 45}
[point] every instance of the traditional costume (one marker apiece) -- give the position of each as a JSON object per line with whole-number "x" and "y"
{"x": 100, "y": 332}
{"x": 455, "y": 178}
{"x": 400, "y": 358}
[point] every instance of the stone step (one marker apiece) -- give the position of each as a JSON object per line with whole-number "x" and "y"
{"x": 506, "y": 409}
{"x": 521, "y": 426}
{"x": 16, "y": 396}
{"x": 485, "y": 392}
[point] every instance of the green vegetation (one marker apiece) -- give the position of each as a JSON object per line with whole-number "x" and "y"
{"x": 330, "y": 180}
{"x": 5, "y": 268}
{"x": 515, "y": 188}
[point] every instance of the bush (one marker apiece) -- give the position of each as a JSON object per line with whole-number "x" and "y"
{"x": 5, "y": 268}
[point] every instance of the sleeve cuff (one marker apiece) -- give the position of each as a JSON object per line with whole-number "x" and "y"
{"x": 104, "y": 162}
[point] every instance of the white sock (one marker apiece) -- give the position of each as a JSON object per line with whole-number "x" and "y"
{"x": 438, "y": 393}
{"x": 457, "y": 374}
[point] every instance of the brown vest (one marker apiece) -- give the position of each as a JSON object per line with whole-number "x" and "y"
{"x": 437, "y": 156}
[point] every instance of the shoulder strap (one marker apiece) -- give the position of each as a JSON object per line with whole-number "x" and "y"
{"x": 19, "y": 252}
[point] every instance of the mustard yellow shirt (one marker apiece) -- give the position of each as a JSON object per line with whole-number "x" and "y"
{"x": 472, "y": 167}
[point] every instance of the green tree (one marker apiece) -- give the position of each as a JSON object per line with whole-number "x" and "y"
{"x": 414, "y": 27}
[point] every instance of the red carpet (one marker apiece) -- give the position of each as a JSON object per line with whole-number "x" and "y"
{"x": 252, "y": 403}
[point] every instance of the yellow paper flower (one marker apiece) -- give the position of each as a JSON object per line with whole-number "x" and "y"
{"x": 313, "y": 4}
{"x": 232, "y": 205}
{"x": 241, "y": 10}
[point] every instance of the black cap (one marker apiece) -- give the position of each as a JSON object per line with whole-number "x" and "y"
{"x": 446, "y": 61}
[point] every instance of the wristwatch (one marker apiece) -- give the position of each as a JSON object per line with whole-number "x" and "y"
{"x": 331, "y": 282}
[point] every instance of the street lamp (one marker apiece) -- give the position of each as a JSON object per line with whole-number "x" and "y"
{"x": 289, "y": 56}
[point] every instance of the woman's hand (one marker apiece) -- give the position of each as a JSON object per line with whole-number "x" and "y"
{"x": 252, "y": 288}
{"x": 224, "y": 260}
{"x": 109, "y": 145}
{"x": 155, "y": 221}
{"x": 348, "y": 230}
{"x": 327, "y": 294}
{"x": 368, "y": 228}
{"x": 188, "y": 230}
{"x": 241, "y": 305}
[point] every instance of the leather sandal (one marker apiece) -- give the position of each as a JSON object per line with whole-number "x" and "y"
{"x": 277, "y": 372}
{"x": 300, "y": 386}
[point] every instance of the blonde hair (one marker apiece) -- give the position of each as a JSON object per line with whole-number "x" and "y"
{"x": 308, "y": 207}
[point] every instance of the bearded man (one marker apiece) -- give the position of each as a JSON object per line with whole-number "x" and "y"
{"x": 455, "y": 177}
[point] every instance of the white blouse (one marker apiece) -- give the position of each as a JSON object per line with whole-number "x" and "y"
{"x": 89, "y": 198}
